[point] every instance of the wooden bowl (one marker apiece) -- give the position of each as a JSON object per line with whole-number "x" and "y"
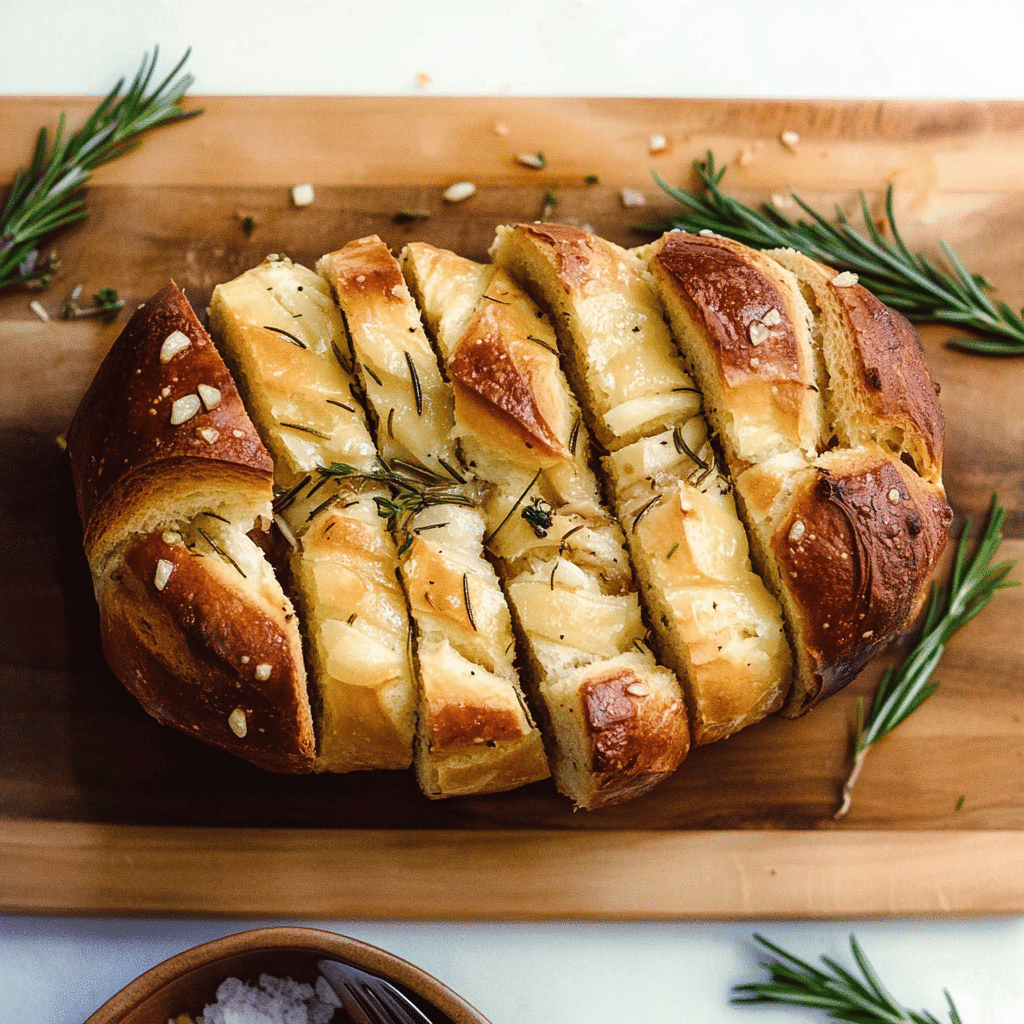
{"x": 186, "y": 983}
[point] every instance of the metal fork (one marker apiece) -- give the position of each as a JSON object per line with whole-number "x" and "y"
{"x": 368, "y": 999}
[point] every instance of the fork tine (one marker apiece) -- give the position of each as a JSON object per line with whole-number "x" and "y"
{"x": 368, "y": 998}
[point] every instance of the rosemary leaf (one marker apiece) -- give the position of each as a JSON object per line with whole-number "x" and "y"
{"x": 906, "y": 281}
{"x": 49, "y": 194}
{"x": 903, "y": 689}
{"x": 837, "y": 991}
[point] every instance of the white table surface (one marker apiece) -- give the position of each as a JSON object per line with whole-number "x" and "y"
{"x": 60, "y": 969}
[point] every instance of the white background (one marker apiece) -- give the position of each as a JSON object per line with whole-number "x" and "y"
{"x": 55, "y": 969}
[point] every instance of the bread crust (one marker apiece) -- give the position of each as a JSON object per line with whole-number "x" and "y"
{"x": 192, "y": 634}
{"x": 130, "y": 462}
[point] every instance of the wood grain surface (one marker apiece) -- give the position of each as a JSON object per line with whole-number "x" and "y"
{"x": 101, "y": 809}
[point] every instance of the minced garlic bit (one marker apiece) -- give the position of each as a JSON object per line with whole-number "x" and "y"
{"x": 894, "y": 495}
{"x": 534, "y": 160}
{"x": 847, "y": 279}
{"x": 302, "y": 195}
{"x": 790, "y": 139}
{"x": 237, "y": 723}
{"x": 459, "y": 191}
{"x": 174, "y": 343}
{"x": 758, "y": 332}
{"x": 657, "y": 144}
{"x": 637, "y": 690}
{"x": 171, "y": 538}
{"x": 633, "y": 197}
{"x": 184, "y": 409}
{"x": 163, "y": 573}
{"x": 210, "y": 395}
{"x": 263, "y": 671}
{"x": 796, "y": 531}
{"x": 40, "y": 310}
{"x": 772, "y": 318}
{"x": 208, "y": 434}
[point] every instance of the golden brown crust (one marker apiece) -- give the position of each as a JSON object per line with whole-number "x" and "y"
{"x": 752, "y": 322}
{"x": 880, "y": 387}
{"x": 855, "y": 540}
{"x": 195, "y": 650}
{"x": 127, "y": 457}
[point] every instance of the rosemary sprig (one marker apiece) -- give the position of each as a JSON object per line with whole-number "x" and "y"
{"x": 410, "y": 495}
{"x": 906, "y": 281}
{"x": 837, "y": 991}
{"x": 49, "y": 194}
{"x": 902, "y": 690}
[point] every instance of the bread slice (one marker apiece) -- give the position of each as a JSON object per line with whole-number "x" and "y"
{"x": 171, "y": 478}
{"x": 283, "y": 337}
{"x": 845, "y": 532}
{"x": 715, "y": 623}
{"x": 615, "y": 718}
{"x": 744, "y": 329}
{"x": 879, "y": 389}
{"x": 475, "y": 732}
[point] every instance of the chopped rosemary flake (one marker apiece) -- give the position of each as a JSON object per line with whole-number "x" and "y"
{"x": 543, "y": 344}
{"x": 554, "y": 568}
{"x": 574, "y": 435}
{"x": 249, "y": 224}
{"x": 503, "y": 302}
{"x": 407, "y": 214}
{"x": 340, "y": 405}
{"x": 285, "y": 334}
{"x": 345, "y": 364}
{"x": 306, "y": 430}
{"x": 672, "y": 551}
{"x": 516, "y": 504}
{"x": 284, "y": 499}
{"x": 454, "y": 473}
{"x": 644, "y": 510}
{"x": 592, "y": 179}
{"x": 325, "y": 504}
{"x": 369, "y": 369}
{"x": 391, "y": 421}
{"x": 538, "y": 515}
{"x": 213, "y": 515}
{"x": 416, "y": 390}
{"x": 220, "y": 551}
{"x": 465, "y": 598}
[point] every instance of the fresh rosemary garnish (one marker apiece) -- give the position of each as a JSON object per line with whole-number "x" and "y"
{"x": 49, "y": 195}
{"x": 106, "y": 304}
{"x": 287, "y": 335}
{"x": 837, "y": 991}
{"x": 906, "y": 281}
{"x": 409, "y": 495}
{"x": 905, "y": 688}
{"x": 417, "y": 390}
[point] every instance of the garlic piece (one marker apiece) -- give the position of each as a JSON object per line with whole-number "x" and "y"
{"x": 237, "y": 723}
{"x": 302, "y": 195}
{"x": 163, "y": 573}
{"x": 174, "y": 343}
{"x": 210, "y": 395}
{"x": 459, "y": 191}
{"x": 184, "y": 409}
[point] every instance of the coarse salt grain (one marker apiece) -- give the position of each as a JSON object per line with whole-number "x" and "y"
{"x": 263, "y": 671}
{"x": 174, "y": 343}
{"x": 633, "y": 197}
{"x": 894, "y": 496}
{"x": 790, "y": 139}
{"x": 459, "y": 191}
{"x": 657, "y": 144}
{"x": 163, "y": 573}
{"x": 772, "y": 318}
{"x": 303, "y": 195}
{"x": 184, "y": 409}
{"x": 208, "y": 434}
{"x": 796, "y": 531}
{"x": 210, "y": 395}
{"x": 758, "y": 332}
{"x": 847, "y": 279}
{"x": 237, "y": 723}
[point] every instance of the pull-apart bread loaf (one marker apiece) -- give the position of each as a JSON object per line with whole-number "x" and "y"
{"x": 831, "y": 430}
{"x": 715, "y": 623}
{"x": 503, "y": 497}
{"x": 615, "y": 719}
{"x": 171, "y": 478}
{"x": 284, "y": 339}
{"x": 475, "y": 732}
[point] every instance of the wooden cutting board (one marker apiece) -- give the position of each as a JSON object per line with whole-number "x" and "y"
{"x": 102, "y": 810}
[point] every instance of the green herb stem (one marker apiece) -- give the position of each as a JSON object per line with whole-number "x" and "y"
{"x": 906, "y": 281}
{"x": 903, "y": 689}
{"x": 49, "y": 194}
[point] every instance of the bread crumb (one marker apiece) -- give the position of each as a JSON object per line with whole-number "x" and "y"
{"x": 847, "y": 279}
{"x": 423, "y": 79}
{"x": 790, "y": 139}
